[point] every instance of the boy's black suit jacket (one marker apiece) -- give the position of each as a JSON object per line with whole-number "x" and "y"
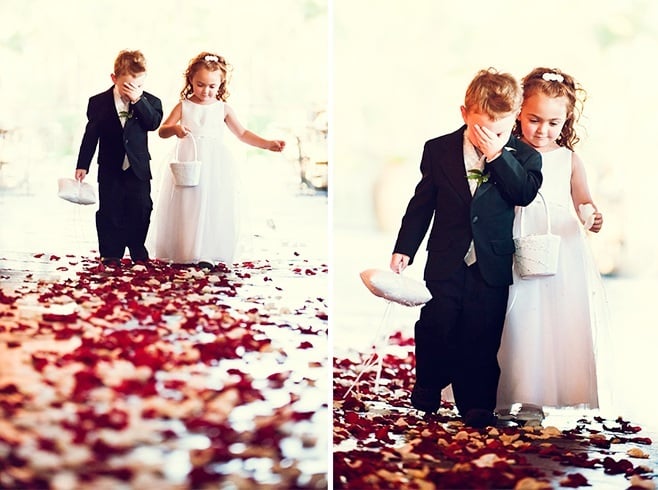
{"x": 114, "y": 141}
{"x": 486, "y": 218}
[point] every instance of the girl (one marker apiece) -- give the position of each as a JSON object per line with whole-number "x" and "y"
{"x": 547, "y": 354}
{"x": 198, "y": 224}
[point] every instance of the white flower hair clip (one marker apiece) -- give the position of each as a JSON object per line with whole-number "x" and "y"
{"x": 211, "y": 57}
{"x": 553, "y": 77}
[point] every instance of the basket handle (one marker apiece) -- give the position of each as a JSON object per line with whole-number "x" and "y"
{"x": 548, "y": 216}
{"x": 178, "y": 140}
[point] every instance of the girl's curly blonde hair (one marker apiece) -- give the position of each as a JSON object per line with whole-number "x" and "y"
{"x": 211, "y": 62}
{"x": 555, "y": 83}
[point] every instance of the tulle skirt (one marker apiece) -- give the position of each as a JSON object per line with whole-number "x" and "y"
{"x": 553, "y": 344}
{"x": 199, "y": 223}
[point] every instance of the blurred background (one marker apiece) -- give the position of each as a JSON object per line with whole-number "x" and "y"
{"x": 54, "y": 56}
{"x": 400, "y": 75}
{"x": 400, "y": 70}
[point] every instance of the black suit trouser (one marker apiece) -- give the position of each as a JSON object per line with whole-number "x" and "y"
{"x": 124, "y": 215}
{"x": 457, "y": 338}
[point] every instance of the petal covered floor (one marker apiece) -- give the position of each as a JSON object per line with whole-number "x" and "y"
{"x": 162, "y": 376}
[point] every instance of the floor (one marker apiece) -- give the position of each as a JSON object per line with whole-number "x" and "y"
{"x": 159, "y": 375}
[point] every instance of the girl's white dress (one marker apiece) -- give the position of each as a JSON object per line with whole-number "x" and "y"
{"x": 199, "y": 223}
{"x": 547, "y": 355}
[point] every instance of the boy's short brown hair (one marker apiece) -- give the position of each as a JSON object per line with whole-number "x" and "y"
{"x": 494, "y": 94}
{"x": 132, "y": 62}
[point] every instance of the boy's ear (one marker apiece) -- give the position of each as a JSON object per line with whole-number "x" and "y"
{"x": 113, "y": 77}
{"x": 464, "y": 112}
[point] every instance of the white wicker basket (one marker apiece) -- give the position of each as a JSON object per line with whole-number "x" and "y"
{"x": 188, "y": 173}
{"x": 536, "y": 255}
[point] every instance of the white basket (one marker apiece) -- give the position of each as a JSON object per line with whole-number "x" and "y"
{"x": 186, "y": 174}
{"x": 536, "y": 255}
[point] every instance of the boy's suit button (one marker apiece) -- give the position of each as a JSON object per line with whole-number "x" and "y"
{"x": 475, "y": 219}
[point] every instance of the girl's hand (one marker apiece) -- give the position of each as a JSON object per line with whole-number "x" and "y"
{"x": 598, "y": 223}
{"x": 590, "y": 217}
{"x": 276, "y": 145}
{"x": 181, "y": 131}
{"x": 399, "y": 262}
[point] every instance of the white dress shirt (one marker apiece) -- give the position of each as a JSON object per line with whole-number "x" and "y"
{"x": 473, "y": 160}
{"x": 123, "y": 106}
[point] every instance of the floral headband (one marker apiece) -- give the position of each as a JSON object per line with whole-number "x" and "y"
{"x": 552, "y": 77}
{"x": 211, "y": 57}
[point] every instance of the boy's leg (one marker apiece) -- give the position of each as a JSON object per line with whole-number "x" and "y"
{"x": 138, "y": 216}
{"x": 108, "y": 220}
{"x": 435, "y": 341}
{"x": 476, "y": 379}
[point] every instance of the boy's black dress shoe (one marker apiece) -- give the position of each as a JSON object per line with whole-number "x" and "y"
{"x": 111, "y": 261}
{"x": 426, "y": 399}
{"x": 479, "y": 418}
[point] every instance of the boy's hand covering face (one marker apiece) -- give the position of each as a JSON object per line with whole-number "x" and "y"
{"x": 489, "y": 135}
{"x": 129, "y": 85}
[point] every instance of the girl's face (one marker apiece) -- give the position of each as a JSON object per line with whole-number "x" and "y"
{"x": 542, "y": 118}
{"x": 205, "y": 84}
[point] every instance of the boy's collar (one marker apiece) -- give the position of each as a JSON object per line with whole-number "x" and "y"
{"x": 467, "y": 141}
{"x": 117, "y": 95}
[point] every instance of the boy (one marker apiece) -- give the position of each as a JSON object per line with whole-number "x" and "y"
{"x": 471, "y": 181}
{"x": 118, "y": 121}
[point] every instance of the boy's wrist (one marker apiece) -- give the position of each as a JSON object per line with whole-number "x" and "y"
{"x": 493, "y": 157}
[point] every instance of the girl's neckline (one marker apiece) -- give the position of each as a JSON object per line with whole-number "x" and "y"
{"x": 558, "y": 147}
{"x": 554, "y": 149}
{"x": 197, "y": 103}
